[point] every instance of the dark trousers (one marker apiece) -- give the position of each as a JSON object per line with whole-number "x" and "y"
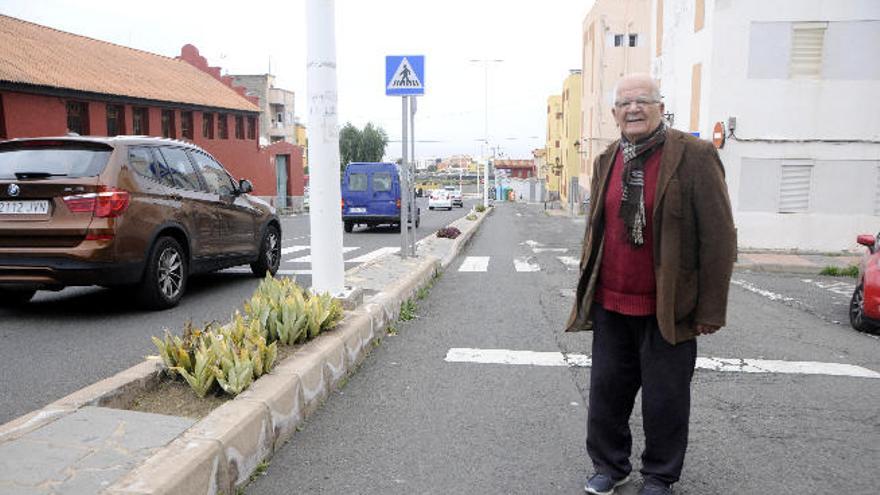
{"x": 629, "y": 353}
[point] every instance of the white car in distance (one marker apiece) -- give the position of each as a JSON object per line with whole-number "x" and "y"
{"x": 455, "y": 193}
{"x": 440, "y": 198}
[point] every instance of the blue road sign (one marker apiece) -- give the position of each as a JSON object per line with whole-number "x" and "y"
{"x": 404, "y": 75}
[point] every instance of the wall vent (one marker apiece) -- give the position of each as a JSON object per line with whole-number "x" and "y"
{"x": 794, "y": 186}
{"x": 807, "y": 44}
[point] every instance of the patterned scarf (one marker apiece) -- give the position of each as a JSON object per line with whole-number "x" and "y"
{"x": 632, "y": 202}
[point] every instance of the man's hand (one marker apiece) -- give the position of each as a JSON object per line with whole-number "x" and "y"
{"x": 706, "y": 329}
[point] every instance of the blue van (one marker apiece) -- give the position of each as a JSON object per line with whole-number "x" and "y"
{"x": 371, "y": 195}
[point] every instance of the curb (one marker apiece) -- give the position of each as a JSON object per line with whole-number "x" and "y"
{"x": 221, "y": 451}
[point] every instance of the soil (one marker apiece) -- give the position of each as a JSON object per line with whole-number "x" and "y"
{"x": 174, "y": 397}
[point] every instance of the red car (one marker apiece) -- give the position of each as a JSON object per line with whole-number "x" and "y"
{"x": 864, "y": 308}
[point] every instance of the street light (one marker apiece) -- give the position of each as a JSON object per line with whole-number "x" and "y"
{"x": 485, "y": 62}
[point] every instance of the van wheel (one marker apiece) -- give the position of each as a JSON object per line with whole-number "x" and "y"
{"x": 14, "y": 297}
{"x": 165, "y": 275}
{"x": 270, "y": 253}
{"x": 349, "y": 226}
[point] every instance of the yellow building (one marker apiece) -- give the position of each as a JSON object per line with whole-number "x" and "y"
{"x": 302, "y": 140}
{"x": 571, "y": 141}
{"x": 553, "y": 145}
{"x": 616, "y": 42}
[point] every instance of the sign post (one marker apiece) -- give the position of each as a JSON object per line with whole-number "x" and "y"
{"x": 405, "y": 77}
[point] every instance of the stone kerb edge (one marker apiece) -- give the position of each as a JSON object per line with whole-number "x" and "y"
{"x": 253, "y": 426}
{"x": 115, "y": 391}
{"x": 466, "y": 233}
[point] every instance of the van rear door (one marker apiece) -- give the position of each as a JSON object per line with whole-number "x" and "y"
{"x": 356, "y": 191}
{"x": 385, "y": 192}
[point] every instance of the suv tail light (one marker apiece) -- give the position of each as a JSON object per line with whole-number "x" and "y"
{"x": 108, "y": 202}
{"x": 397, "y": 203}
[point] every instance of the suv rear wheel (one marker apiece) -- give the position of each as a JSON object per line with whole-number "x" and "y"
{"x": 165, "y": 275}
{"x": 270, "y": 253}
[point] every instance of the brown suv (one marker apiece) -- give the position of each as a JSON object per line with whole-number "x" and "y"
{"x": 124, "y": 211}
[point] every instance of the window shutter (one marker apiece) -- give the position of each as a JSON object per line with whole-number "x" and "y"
{"x": 794, "y": 186}
{"x": 807, "y": 43}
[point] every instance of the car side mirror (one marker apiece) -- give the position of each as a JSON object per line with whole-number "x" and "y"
{"x": 866, "y": 240}
{"x": 245, "y": 186}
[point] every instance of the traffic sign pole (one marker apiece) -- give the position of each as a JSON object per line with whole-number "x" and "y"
{"x": 404, "y": 182}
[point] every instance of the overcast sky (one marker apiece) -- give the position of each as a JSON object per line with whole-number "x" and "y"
{"x": 539, "y": 41}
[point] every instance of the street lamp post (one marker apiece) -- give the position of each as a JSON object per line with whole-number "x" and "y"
{"x": 485, "y": 63}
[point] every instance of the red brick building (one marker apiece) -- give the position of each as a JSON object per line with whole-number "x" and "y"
{"x": 522, "y": 169}
{"x": 53, "y": 82}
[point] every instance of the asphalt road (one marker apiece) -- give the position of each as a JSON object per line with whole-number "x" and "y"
{"x": 410, "y": 422}
{"x": 63, "y": 341}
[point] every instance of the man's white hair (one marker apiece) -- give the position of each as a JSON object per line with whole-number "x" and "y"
{"x": 655, "y": 88}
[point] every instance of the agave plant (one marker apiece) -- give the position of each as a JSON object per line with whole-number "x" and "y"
{"x": 201, "y": 377}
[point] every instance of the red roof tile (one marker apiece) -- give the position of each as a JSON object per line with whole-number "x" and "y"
{"x": 38, "y": 55}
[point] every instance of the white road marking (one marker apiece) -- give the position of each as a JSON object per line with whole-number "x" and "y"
{"x": 569, "y": 261}
{"x": 841, "y": 288}
{"x": 293, "y": 249}
{"x": 372, "y": 255}
{"x": 239, "y": 269}
{"x": 526, "y": 265}
{"x": 474, "y": 264}
{"x": 549, "y": 250}
{"x": 762, "y": 292}
{"x": 308, "y": 258}
{"x": 531, "y": 243}
{"x": 532, "y": 358}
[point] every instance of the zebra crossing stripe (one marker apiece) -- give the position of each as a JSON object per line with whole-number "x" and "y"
{"x": 538, "y": 250}
{"x": 308, "y": 258}
{"x": 372, "y": 255}
{"x": 475, "y": 264}
{"x": 526, "y": 265}
{"x": 239, "y": 269}
{"x": 569, "y": 261}
{"x": 532, "y": 358}
{"x": 293, "y": 249}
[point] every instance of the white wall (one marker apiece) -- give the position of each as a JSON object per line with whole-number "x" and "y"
{"x": 830, "y": 122}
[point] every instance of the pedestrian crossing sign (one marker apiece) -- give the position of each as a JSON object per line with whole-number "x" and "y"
{"x": 404, "y": 75}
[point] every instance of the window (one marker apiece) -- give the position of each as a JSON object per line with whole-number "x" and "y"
{"x": 381, "y": 181}
{"x": 180, "y": 171}
{"x": 144, "y": 163}
{"x": 279, "y": 117}
{"x": 169, "y": 129}
{"x": 218, "y": 181}
{"x": 78, "y": 117}
{"x": 222, "y": 130}
{"x": 699, "y": 14}
{"x": 633, "y": 40}
{"x": 807, "y": 42}
{"x": 115, "y": 120}
{"x": 2, "y": 120}
{"x": 618, "y": 40}
{"x": 186, "y": 125}
{"x": 252, "y": 128}
{"x": 239, "y": 127}
{"x": 140, "y": 121}
{"x": 357, "y": 182}
{"x": 208, "y": 125}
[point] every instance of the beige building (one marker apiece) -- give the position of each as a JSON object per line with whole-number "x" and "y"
{"x": 276, "y": 107}
{"x": 303, "y": 141}
{"x": 616, "y": 41}
{"x": 569, "y": 189}
{"x": 553, "y": 157}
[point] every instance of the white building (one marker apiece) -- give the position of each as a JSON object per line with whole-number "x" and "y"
{"x": 795, "y": 84}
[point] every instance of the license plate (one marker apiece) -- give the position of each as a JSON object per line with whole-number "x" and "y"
{"x": 40, "y": 207}
{"x": 357, "y": 210}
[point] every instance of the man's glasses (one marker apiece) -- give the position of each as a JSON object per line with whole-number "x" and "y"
{"x": 639, "y": 102}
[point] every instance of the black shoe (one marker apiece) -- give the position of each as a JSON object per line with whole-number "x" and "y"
{"x": 602, "y": 484}
{"x": 656, "y": 488}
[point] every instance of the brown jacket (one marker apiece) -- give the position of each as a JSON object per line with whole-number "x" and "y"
{"x": 694, "y": 238}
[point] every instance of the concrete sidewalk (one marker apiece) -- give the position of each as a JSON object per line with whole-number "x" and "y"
{"x": 88, "y": 443}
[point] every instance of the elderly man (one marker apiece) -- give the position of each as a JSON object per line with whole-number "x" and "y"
{"x": 655, "y": 269}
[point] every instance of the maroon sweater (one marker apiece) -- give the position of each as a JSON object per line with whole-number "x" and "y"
{"x": 626, "y": 277}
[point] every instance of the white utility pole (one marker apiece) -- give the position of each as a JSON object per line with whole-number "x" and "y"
{"x": 485, "y": 63}
{"x": 325, "y": 218}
